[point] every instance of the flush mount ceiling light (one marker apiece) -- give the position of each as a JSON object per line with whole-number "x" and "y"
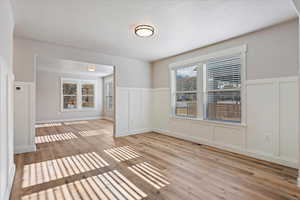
{"x": 91, "y": 68}
{"x": 144, "y": 31}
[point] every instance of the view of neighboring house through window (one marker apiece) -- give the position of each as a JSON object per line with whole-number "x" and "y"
{"x": 211, "y": 89}
{"x": 223, "y": 89}
{"x": 78, "y": 94}
{"x": 186, "y": 91}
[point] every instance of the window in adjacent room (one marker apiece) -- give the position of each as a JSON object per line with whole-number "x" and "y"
{"x": 109, "y": 94}
{"x": 69, "y": 95}
{"x": 211, "y": 88}
{"x": 88, "y": 95}
{"x": 78, "y": 94}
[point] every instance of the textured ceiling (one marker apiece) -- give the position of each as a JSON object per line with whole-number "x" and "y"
{"x": 181, "y": 25}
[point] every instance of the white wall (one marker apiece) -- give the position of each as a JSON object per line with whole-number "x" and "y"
{"x": 297, "y": 8}
{"x": 48, "y": 98}
{"x": 272, "y": 52}
{"x": 271, "y": 130}
{"x": 130, "y": 72}
{"x": 6, "y": 99}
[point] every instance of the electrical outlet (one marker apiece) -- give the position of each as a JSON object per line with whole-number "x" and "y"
{"x": 267, "y": 137}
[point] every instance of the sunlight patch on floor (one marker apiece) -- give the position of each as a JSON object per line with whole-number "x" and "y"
{"x": 150, "y": 174}
{"x": 54, "y": 138}
{"x": 94, "y": 132}
{"x": 122, "y": 153}
{"x": 107, "y": 186}
{"x": 37, "y": 173}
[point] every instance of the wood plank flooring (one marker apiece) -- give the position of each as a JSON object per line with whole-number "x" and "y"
{"x": 82, "y": 160}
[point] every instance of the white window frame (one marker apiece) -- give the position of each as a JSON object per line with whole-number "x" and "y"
{"x": 79, "y": 83}
{"x": 106, "y": 105}
{"x": 241, "y": 50}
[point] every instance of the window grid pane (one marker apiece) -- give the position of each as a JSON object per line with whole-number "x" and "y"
{"x": 186, "y": 104}
{"x": 87, "y": 89}
{"x": 186, "y": 91}
{"x": 88, "y": 101}
{"x": 70, "y": 102}
{"x": 186, "y": 79}
{"x": 224, "y": 74}
{"x": 109, "y": 95}
{"x": 70, "y": 89}
{"x": 224, "y": 106}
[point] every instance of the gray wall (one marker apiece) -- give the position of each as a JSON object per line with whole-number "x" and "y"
{"x": 272, "y": 52}
{"x": 130, "y": 72}
{"x": 48, "y": 99}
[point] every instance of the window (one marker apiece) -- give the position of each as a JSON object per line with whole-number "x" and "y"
{"x": 186, "y": 91}
{"x": 69, "y": 95}
{"x": 78, "y": 94}
{"x": 88, "y": 95}
{"x": 210, "y": 88}
{"x": 109, "y": 90}
{"x": 223, "y": 89}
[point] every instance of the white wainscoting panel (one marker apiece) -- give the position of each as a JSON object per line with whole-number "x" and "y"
{"x": 288, "y": 118}
{"x": 261, "y": 119}
{"x": 271, "y": 130}
{"x": 133, "y": 111}
{"x": 24, "y": 117}
{"x": 122, "y": 111}
{"x": 233, "y": 137}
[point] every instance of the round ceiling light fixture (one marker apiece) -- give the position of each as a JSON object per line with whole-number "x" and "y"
{"x": 91, "y": 68}
{"x": 144, "y": 31}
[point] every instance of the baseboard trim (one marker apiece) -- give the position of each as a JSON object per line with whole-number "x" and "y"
{"x": 108, "y": 118}
{"x": 134, "y": 132}
{"x": 11, "y": 177}
{"x": 25, "y": 149}
{"x": 232, "y": 148}
{"x": 67, "y": 120}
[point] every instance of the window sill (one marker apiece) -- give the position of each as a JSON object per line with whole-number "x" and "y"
{"x": 79, "y": 110}
{"x": 209, "y": 122}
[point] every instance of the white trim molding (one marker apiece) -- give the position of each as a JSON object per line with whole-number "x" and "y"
{"x": 11, "y": 176}
{"x": 108, "y": 118}
{"x": 68, "y": 120}
{"x": 231, "y": 148}
{"x": 25, "y": 149}
{"x": 134, "y": 132}
{"x": 79, "y": 95}
{"x": 270, "y": 132}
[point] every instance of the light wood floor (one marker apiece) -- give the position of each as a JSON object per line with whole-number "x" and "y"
{"x": 82, "y": 160}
